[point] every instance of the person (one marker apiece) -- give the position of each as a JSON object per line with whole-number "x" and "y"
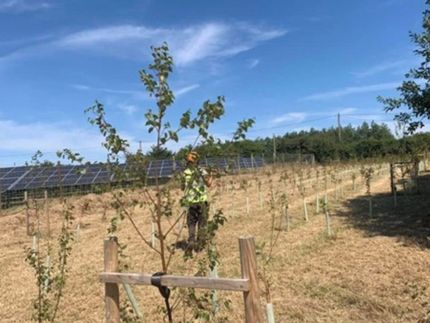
{"x": 195, "y": 183}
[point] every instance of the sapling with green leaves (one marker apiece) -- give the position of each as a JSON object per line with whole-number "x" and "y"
{"x": 158, "y": 199}
{"x": 277, "y": 203}
{"x": 51, "y": 272}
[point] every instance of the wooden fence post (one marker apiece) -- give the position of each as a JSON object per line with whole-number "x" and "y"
{"x": 111, "y": 289}
{"x": 248, "y": 262}
{"x": 27, "y": 213}
{"x": 46, "y": 209}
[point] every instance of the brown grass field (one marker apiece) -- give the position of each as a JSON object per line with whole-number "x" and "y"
{"x": 375, "y": 268}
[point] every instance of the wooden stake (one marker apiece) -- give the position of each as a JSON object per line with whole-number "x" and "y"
{"x": 248, "y": 262}
{"x": 305, "y": 210}
{"x": 317, "y": 203}
{"x": 328, "y": 223}
{"x": 48, "y": 220}
{"x": 153, "y": 242}
{"x": 287, "y": 219}
{"x": 111, "y": 289}
{"x": 27, "y": 213}
{"x": 34, "y": 245}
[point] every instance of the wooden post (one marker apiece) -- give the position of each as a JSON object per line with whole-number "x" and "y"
{"x": 392, "y": 178}
{"x": 395, "y": 196}
{"x": 341, "y": 188}
{"x": 248, "y": 262}
{"x": 328, "y": 222}
{"x": 111, "y": 289}
{"x": 153, "y": 234}
{"x": 48, "y": 220}
{"x": 305, "y": 210}
{"x": 317, "y": 203}
{"x": 27, "y": 213}
{"x": 287, "y": 219}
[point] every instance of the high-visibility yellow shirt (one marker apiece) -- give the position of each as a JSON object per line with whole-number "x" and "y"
{"x": 195, "y": 188}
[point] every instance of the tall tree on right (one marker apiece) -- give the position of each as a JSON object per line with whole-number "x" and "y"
{"x": 415, "y": 90}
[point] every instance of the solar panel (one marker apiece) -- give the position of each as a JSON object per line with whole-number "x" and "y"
{"x": 30, "y": 177}
{"x": 5, "y": 171}
{"x": 27, "y": 178}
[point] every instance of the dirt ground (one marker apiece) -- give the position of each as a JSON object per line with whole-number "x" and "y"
{"x": 374, "y": 269}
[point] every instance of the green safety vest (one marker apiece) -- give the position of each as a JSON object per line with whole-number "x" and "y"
{"x": 194, "y": 186}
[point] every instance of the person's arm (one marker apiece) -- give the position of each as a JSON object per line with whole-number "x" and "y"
{"x": 207, "y": 178}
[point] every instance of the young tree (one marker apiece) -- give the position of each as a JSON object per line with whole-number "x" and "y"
{"x": 415, "y": 90}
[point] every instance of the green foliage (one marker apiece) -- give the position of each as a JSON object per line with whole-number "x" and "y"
{"x": 367, "y": 174}
{"x": 415, "y": 90}
{"x": 365, "y": 141}
{"x": 159, "y": 200}
{"x": 51, "y": 277}
{"x": 51, "y": 273}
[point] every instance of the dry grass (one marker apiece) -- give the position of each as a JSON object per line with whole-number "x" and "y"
{"x": 353, "y": 277}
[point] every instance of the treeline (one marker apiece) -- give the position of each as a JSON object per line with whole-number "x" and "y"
{"x": 365, "y": 141}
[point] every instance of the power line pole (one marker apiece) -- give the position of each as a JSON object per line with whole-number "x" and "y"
{"x": 339, "y": 128}
{"x": 140, "y": 145}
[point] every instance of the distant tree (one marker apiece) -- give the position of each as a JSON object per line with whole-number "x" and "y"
{"x": 415, "y": 90}
{"x": 159, "y": 153}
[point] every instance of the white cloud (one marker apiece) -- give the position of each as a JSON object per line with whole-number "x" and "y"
{"x": 44, "y": 136}
{"x": 19, "y": 141}
{"x": 347, "y": 110}
{"x": 83, "y": 87}
{"x": 290, "y": 117}
{"x": 253, "y": 63}
{"x": 23, "y": 5}
{"x": 188, "y": 45}
{"x": 129, "y": 109}
{"x": 351, "y": 90}
{"x": 400, "y": 66}
{"x": 209, "y": 41}
{"x": 185, "y": 89}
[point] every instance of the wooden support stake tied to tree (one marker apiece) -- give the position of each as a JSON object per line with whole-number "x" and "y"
{"x": 248, "y": 284}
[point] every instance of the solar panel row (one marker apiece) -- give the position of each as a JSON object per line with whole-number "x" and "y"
{"x": 28, "y": 177}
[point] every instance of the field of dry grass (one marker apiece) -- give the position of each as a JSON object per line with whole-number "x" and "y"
{"x": 374, "y": 269}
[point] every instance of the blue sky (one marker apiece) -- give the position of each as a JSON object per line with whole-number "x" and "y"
{"x": 289, "y": 64}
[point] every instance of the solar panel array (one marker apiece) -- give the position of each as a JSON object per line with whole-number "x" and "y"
{"x": 41, "y": 177}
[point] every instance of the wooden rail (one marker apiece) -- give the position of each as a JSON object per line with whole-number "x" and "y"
{"x": 248, "y": 284}
{"x": 239, "y": 285}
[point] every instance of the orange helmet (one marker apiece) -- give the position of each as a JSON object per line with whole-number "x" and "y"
{"x": 192, "y": 157}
